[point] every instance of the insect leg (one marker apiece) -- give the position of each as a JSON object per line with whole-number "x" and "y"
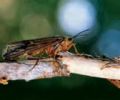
{"x": 37, "y": 60}
{"x": 75, "y": 49}
{"x": 53, "y": 61}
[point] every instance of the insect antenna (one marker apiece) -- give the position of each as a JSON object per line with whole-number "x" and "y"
{"x": 80, "y": 33}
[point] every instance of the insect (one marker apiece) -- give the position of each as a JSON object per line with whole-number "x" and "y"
{"x": 30, "y": 49}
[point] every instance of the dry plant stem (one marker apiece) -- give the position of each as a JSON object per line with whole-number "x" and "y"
{"x": 70, "y": 64}
{"x": 17, "y": 71}
{"x": 92, "y": 66}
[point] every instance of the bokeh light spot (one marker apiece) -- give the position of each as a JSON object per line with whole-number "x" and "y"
{"x": 76, "y": 15}
{"x": 109, "y": 43}
{"x": 35, "y": 26}
{"x": 8, "y": 10}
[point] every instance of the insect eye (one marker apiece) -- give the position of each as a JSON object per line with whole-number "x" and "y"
{"x": 69, "y": 39}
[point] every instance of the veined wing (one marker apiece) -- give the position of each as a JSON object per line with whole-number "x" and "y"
{"x": 18, "y": 48}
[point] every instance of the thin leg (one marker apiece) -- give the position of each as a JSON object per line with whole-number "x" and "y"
{"x": 76, "y": 51}
{"x": 34, "y": 65}
{"x": 37, "y": 60}
{"x": 55, "y": 62}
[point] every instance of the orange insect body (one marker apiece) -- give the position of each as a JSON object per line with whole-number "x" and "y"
{"x": 30, "y": 48}
{"x": 52, "y": 50}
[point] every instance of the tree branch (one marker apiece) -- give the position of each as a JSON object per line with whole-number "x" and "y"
{"x": 95, "y": 67}
{"x": 67, "y": 63}
{"x": 25, "y": 71}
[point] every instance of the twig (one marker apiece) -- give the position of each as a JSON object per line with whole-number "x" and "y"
{"x": 70, "y": 63}
{"x": 24, "y": 71}
{"x": 90, "y": 66}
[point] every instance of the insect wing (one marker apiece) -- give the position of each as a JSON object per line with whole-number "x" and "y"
{"x": 18, "y": 48}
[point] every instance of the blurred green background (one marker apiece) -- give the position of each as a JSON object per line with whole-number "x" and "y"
{"x": 30, "y": 19}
